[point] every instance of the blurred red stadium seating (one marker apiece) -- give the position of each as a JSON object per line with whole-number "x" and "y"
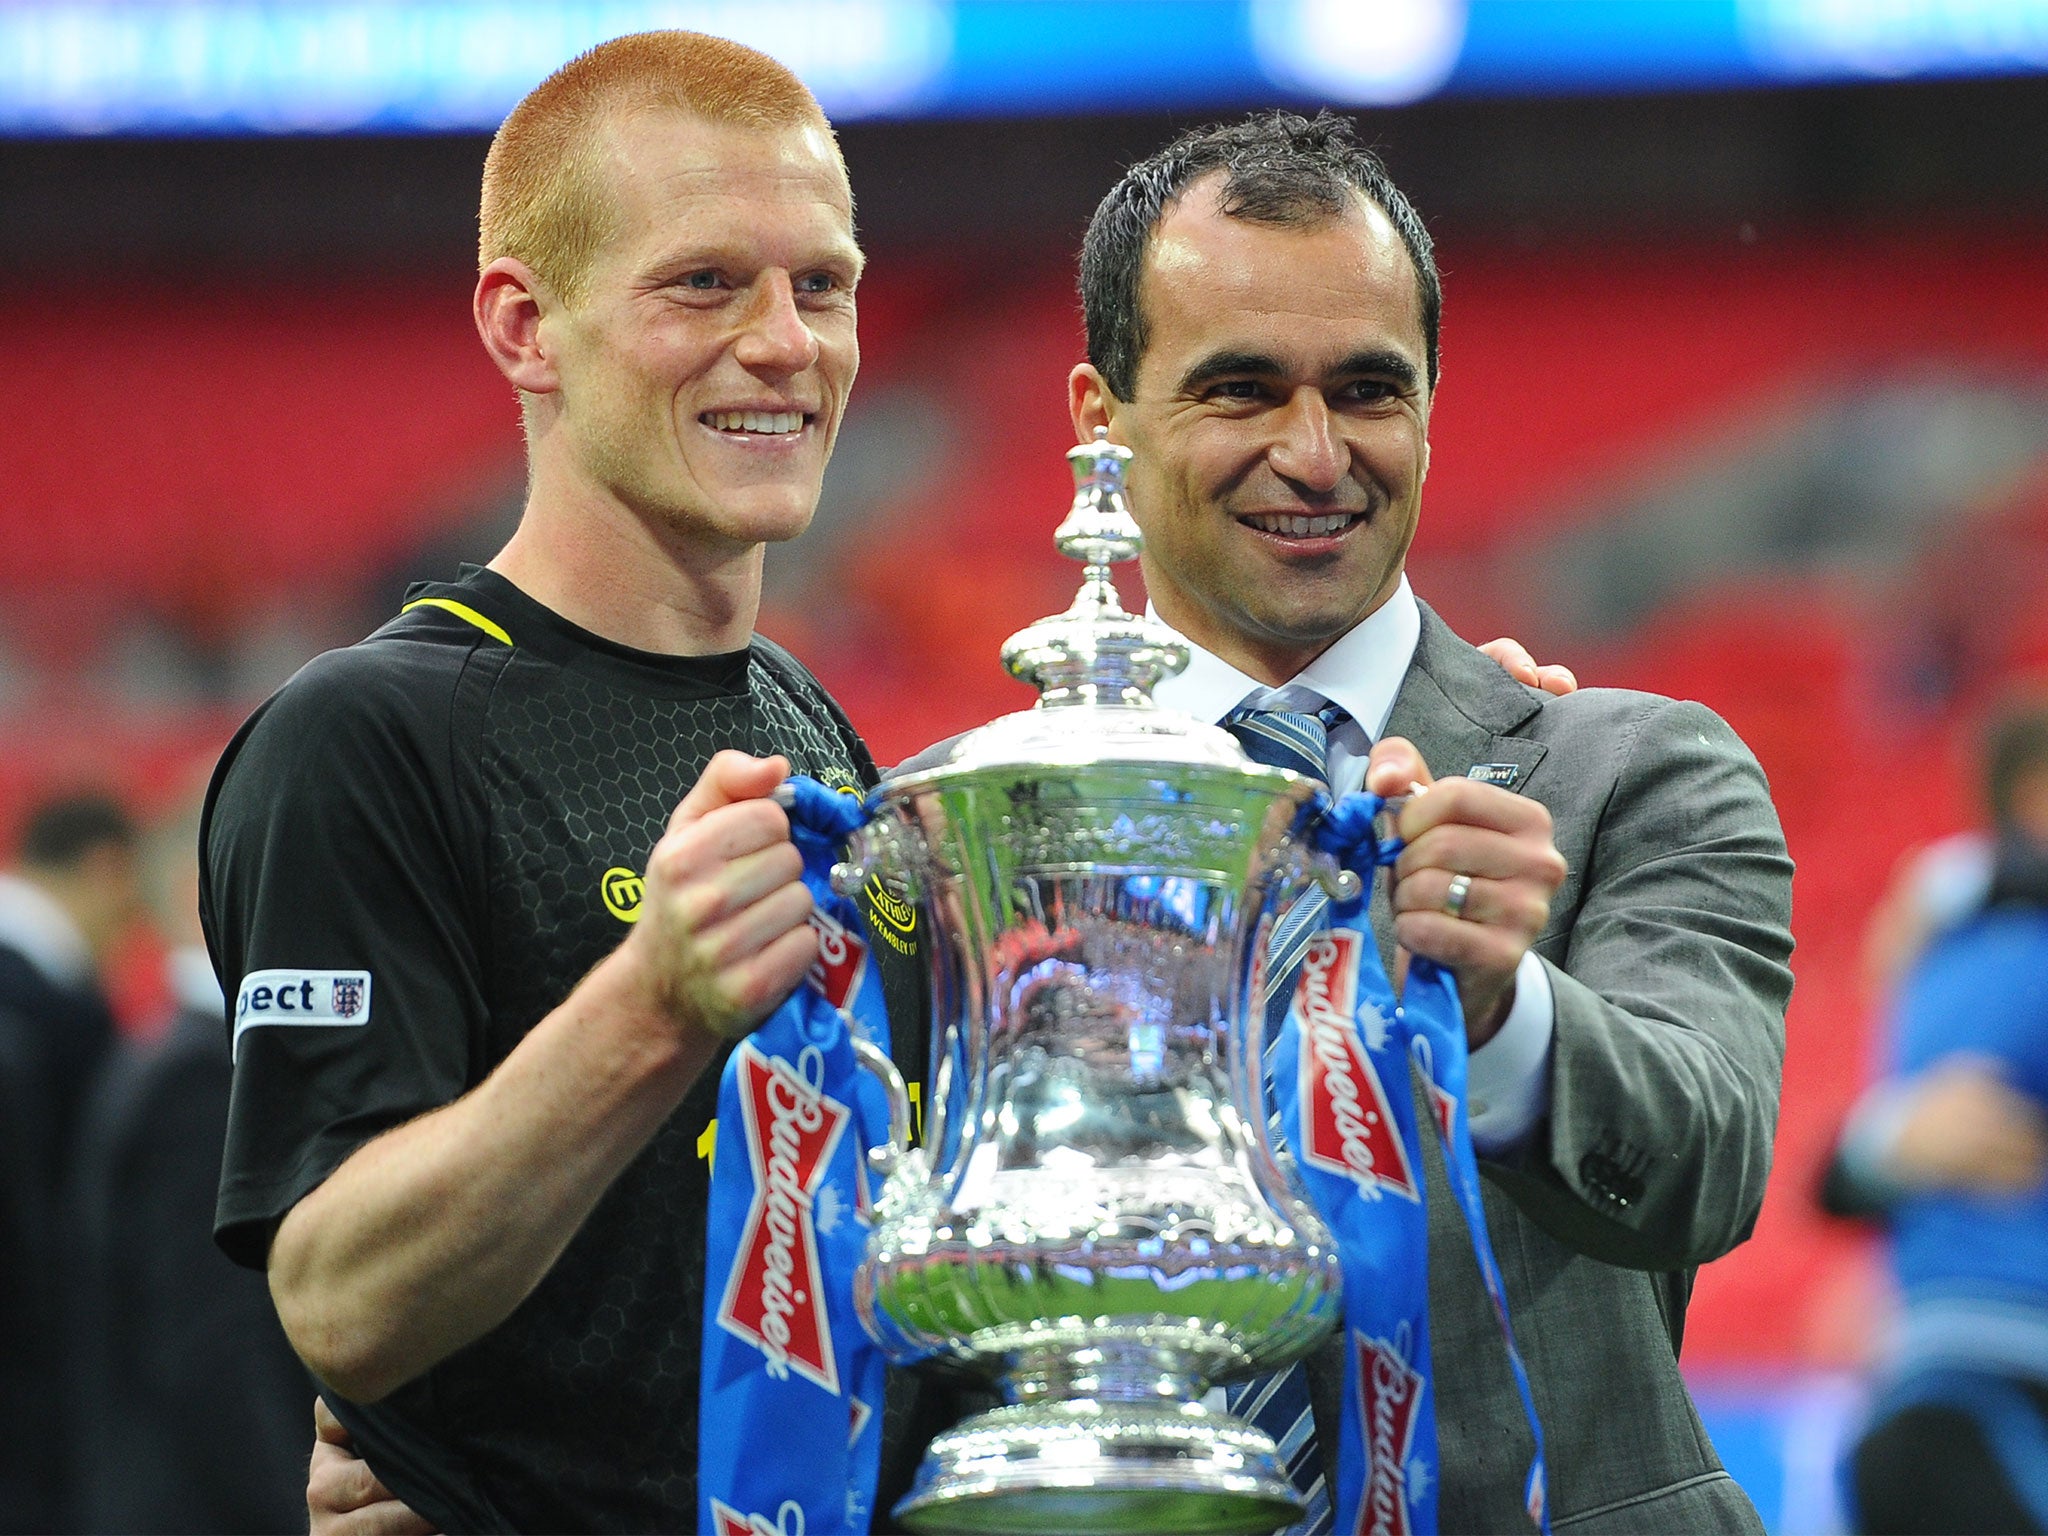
{"x": 172, "y": 438}
{"x": 185, "y": 448}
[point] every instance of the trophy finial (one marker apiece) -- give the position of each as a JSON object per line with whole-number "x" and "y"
{"x": 1095, "y": 652}
{"x": 1099, "y": 529}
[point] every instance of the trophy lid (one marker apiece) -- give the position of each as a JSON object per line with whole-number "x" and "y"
{"x": 1095, "y": 665}
{"x": 1095, "y": 653}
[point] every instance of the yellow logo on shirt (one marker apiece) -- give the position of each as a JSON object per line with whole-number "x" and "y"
{"x": 890, "y": 918}
{"x": 901, "y": 915}
{"x": 623, "y": 890}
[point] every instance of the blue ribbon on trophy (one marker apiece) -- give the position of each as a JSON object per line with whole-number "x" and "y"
{"x": 1340, "y": 1071}
{"x": 786, "y": 1362}
{"x": 790, "y": 1410}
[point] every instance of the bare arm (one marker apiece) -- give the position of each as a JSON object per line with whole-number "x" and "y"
{"x": 430, "y": 1235}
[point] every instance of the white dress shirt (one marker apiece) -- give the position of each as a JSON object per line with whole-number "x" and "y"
{"x": 1508, "y": 1082}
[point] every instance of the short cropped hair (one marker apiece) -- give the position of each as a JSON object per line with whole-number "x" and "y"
{"x": 1280, "y": 168}
{"x": 60, "y": 833}
{"x": 543, "y": 197}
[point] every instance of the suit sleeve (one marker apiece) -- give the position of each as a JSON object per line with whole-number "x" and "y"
{"x": 1671, "y": 979}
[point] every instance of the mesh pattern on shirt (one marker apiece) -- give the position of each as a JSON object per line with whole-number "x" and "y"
{"x": 579, "y": 1412}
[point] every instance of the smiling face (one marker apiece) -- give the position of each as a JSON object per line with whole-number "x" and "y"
{"x": 704, "y": 370}
{"x": 1280, "y": 427}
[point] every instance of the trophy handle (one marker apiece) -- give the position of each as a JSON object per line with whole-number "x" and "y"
{"x": 1302, "y": 865}
{"x": 870, "y": 1055}
{"x": 1310, "y": 864}
{"x": 1341, "y": 884}
{"x": 874, "y": 848}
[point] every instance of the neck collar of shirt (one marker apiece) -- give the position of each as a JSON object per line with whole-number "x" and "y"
{"x": 1360, "y": 673}
{"x": 534, "y": 627}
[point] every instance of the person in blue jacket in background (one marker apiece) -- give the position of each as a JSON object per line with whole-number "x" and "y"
{"x": 1951, "y": 1148}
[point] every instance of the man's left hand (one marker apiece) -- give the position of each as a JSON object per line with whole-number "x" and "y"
{"x": 1500, "y": 844}
{"x": 343, "y": 1496}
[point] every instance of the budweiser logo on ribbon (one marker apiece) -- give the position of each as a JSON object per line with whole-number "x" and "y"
{"x": 842, "y": 959}
{"x": 789, "y": 1520}
{"x": 1389, "y": 1394}
{"x": 772, "y": 1298}
{"x": 1446, "y": 1107}
{"x": 1347, "y": 1126}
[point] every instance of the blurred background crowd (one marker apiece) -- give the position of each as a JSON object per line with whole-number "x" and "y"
{"x": 1744, "y": 400}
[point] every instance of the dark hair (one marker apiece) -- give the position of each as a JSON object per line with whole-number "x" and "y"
{"x": 1280, "y": 168}
{"x": 61, "y": 832}
{"x": 2015, "y": 745}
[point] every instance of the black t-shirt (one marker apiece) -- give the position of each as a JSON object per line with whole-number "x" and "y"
{"x": 412, "y": 853}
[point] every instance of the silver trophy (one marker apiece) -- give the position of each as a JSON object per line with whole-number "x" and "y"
{"x": 1096, "y": 1220}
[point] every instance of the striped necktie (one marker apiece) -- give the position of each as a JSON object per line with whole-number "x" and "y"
{"x": 1288, "y": 739}
{"x": 1279, "y": 1403}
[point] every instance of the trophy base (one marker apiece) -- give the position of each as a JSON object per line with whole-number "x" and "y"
{"x": 1093, "y": 1466}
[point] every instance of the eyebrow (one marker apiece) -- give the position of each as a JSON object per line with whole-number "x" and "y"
{"x": 1231, "y": 364}
{"x": 688, "y": 255}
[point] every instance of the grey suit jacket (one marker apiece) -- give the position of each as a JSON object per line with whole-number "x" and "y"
{"x": 1667, "y": 952}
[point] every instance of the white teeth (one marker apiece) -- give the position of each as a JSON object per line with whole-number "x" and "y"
{"x": 1304, "y": 527}
{"x": 765, "y": 422}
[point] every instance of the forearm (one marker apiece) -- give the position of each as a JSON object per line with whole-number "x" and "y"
{"x": 430, "y": 1235}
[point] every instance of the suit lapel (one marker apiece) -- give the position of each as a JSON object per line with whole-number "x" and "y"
{"x": 1460, "y": 709}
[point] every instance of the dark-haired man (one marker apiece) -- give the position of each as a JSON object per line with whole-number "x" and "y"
{"x": 188, "y": 1406}
{"x": 1603, "y": 872}
{"x": 75, "y": 892}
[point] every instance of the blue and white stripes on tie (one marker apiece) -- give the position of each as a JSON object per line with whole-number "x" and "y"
{"x": 1279, "y": 1403}
{"x": 1300, "y": 741}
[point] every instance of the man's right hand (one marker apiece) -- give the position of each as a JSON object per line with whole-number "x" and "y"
{"x": 343, "y": 1496}
{"x": 724, "y": 932}
{"x": 428, "y": 1236}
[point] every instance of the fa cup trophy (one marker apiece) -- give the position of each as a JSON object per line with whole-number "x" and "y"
{"x": 1096, "y": 1221}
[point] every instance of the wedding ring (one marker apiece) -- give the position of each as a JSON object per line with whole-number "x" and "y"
{"x": 1454, "y": 898}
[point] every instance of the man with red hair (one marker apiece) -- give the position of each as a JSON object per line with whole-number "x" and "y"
{"x": 490, "y": 890}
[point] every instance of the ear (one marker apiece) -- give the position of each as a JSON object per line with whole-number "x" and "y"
{"x": 1090, "y": 403}
{"x": 511, "y": 303}
{"x": 1428, "y": 406}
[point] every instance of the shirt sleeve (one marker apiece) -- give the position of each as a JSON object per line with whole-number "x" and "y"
{"x": 341, "y": 859}
{"x": 1507, "y": 1084}
{"x": 1858, "y": 1181}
